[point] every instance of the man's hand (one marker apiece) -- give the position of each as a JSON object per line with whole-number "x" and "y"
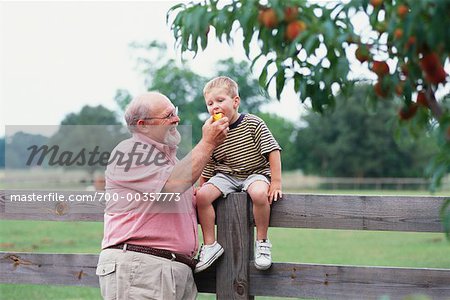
{"x": 196, "y": 188}
{"x": 188, "y": 170}
{"x": 215, "y": 132}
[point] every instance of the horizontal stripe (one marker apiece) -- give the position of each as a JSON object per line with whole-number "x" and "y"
{"x": 242, "y": 152}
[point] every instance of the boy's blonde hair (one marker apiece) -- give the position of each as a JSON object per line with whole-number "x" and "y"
{"x": 223, "y": 82}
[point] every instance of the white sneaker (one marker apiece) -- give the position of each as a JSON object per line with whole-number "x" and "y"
{"x": 208, "y": 254}
{"x": 263, "y": 257}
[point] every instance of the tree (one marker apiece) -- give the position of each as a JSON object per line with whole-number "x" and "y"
{"x": 184, "y": 87}
{"x": 310, "y": 44}
{"x": 91, "y": 115}
{"x": 353, "y": 142}
{"x": 252, "y": 95}
{"x": 18, "y": 152}
{"x": 285, "y": 132}
{"x": 92, "y": 131}
{"x": 406, "y": 47}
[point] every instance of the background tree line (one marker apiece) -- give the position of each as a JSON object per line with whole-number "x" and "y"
{"x": 351, "y": 141}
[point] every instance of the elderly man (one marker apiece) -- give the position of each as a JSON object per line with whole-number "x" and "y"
{"x": 150, "y": 230}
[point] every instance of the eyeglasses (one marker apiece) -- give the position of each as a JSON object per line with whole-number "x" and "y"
{"x": 168, "y": 117}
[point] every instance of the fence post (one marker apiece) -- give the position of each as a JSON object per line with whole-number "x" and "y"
{"x": 235, "y": 234}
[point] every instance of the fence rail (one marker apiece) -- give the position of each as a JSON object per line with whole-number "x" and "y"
{"x": 234, "y": 276}
{"x": 295, "y": 180}
{"x": 394, "y": 213}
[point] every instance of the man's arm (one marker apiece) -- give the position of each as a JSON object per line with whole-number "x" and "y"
{"x": 188, "y": 170}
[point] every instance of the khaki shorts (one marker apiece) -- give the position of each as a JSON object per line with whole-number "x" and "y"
{"x": 134, "y": 275}
{"x": 229, "y": 184}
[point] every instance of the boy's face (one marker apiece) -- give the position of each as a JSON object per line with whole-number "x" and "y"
{"x": 219, "y": 101}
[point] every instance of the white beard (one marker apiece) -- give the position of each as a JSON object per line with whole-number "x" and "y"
{"x": 172, "y": 139}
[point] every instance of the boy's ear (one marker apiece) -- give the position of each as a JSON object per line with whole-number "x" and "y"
{"x": 236, "y": 102}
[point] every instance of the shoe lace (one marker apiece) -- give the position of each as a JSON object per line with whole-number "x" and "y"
{"x": 201, "y": 254}
{"x": 264, "y": 248}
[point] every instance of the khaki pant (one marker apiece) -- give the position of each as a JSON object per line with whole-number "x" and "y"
{"x": 134, "y": 275}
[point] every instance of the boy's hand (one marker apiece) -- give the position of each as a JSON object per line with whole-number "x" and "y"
{"x": 275, "y": 191}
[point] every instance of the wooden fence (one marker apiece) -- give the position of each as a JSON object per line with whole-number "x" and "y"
{"x": 234, "y": 276}
{"x": 297, "y": 181}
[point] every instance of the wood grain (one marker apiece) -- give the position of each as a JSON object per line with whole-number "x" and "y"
{"x": 348, "y": 282}
{"x": 235, "y": 234}
{"x": 391, "y": 213}
{"x": 282, "y": 279}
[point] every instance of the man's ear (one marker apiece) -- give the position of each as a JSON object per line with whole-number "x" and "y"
{"x": 141, "y": 126}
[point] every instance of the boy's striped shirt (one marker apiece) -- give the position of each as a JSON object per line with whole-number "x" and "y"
{"x": 244, "y": 151}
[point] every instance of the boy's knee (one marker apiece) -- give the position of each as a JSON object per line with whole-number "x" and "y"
{"x": 259, "y": 196}
{"x": 203, "y": 198}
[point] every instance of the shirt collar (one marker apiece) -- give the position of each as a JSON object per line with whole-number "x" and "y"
{"x": 237, "y": 122}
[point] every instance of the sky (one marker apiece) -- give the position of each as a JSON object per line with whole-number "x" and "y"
{"x": 56, "y": 57}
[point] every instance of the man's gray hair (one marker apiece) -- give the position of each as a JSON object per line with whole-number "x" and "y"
{"x": 139, "y": 108}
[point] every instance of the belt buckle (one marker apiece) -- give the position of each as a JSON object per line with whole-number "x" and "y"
{"x": 174, "y": 257}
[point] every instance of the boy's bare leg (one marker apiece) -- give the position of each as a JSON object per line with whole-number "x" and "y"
{"x": 206, "y": 195}
{"x": 258, "y": 191}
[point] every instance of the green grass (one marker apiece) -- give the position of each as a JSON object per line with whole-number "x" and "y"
{"x": 348, "y": 247}
{"x": 47, "y": 236}
{"x": 40, "y": 292}
{"x": 370, "y": 248}
{"x": 400, "y": 249}
{"x": 290, "y": 245}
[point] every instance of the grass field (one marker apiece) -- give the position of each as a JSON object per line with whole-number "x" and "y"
{"x": 290, "y": 245}
{"x": 398, "y": 249}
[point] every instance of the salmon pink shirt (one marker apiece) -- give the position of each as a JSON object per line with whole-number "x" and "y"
{"x": 136, "y": 174}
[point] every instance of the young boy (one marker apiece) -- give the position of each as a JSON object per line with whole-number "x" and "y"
{"x": 248, "y": 160}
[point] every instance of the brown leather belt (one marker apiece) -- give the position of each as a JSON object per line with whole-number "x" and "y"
{"x": 191, "y": 262}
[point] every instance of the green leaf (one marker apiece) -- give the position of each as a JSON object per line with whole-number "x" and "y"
{"x": 263, "y": 77}
{"x": 297, "y": 80}
{"x": 204, "y": 41}
{"x": 270, "y": 80}
{"x": 280, "y": 81}
{"x": 173, "y": 8}
{"x": 254, "y": 61}
{"x": 311, "y": 43}
{"x": 343, "y": 67}
{"x": 329, "y": 31}
{"x": 292, "y": 49}
{"x": 303, "y": 90}
{"x": 246, "y": 44}
{"x": 407, "y": 90}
